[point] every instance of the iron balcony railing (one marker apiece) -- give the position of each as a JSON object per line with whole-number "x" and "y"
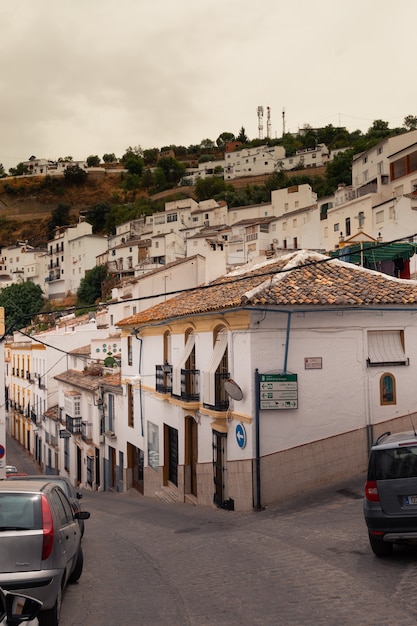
{"x": 190, "y": 386}
{"x": 221, "y": 399}
{"x": 163, "y": 378}
{"x": 74, "y": 424}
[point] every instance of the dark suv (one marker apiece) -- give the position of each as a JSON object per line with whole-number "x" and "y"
{"x": 390, "y": 504}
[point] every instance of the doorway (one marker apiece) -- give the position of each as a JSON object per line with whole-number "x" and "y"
{"x": 191, "y": 455}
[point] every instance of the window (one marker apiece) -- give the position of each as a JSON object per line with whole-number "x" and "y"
{"x": 361, "y": 219}
{"x": 110, "y": 423}
{"x": 176, "y": 378}
{"x": 387, "y": 389}
{"x": 347, "y": 226}
{"x": 386, "y": 347}
{"x": 216, "y": 372}
{"x": 379, "y": 217}
{"x": 173, "y": 217}
{"x": 336, "y": 228}
{"x": 130, "y": 350}
{"x": 153, "y": 446}
{"x": 130, "y": 406}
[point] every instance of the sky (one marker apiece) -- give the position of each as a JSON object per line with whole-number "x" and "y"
{"x": 89, "y": 77}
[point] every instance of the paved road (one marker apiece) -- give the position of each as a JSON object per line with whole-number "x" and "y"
{"x": 303, "y": 563}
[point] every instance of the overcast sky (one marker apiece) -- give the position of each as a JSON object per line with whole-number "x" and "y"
{"x": 86, "y": 77}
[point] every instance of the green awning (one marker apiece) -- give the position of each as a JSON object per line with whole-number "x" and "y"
{"x": 369, "y": 254}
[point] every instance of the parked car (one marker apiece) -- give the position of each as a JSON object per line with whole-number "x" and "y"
{"x": 390, "y": 503}
{"x": 73, "y": 495}
{"x": 11, "y": 469}
{"x": 15, "y": 608}
{"x": 40, "y": 543}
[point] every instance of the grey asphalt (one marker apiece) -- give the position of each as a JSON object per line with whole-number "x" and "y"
{"x": 17, "y": 455}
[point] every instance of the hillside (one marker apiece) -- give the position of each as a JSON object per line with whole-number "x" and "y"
{"x": 26, "y": 203}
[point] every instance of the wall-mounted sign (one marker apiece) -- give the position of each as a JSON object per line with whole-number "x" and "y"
{"x": 64, "y": 434}
{"x": 240, "y": 435}
{"x": 278, "y": 391}
{"x": 313, "y": 363}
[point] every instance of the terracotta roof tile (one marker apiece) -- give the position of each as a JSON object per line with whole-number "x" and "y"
{"x": 301, "y": 278}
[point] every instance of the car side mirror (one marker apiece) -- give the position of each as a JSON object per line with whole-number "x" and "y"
{"x": 81, "y": 515}
{"x": 20, "y": 608}
{"x": 79, "y": 495}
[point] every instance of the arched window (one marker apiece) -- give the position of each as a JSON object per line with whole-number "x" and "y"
{"x": 387, "y": 390}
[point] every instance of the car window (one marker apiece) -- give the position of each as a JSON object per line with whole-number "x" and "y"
{"x": 393, "y": 463}
{"x": 20, "y": 511}
{"x": 64, "y": 515}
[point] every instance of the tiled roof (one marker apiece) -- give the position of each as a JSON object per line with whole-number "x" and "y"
{"x": 298, "y": 279}
{"x": 80, "y": 379}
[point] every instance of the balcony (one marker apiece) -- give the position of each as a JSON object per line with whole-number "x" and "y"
{"x": 86, "y": 431}
{"x": 190, "y": 386}
{"x": 221, "y": 399}
{"x": 163, "y": 378}
{"x": 73, "y": 424}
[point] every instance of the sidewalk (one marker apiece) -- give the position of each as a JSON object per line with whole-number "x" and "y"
{"x": 18, "y": 456}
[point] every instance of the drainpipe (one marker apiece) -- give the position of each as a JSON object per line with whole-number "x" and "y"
{"x": 257, "y": 444}
{"x": 287, "y": 341}
{"x": 140, "y": 382}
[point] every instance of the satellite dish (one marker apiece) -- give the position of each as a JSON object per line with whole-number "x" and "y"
{"x": 232, "y": 389}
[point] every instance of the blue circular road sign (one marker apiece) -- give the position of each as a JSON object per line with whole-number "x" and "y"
{"x": 241, "y": 435}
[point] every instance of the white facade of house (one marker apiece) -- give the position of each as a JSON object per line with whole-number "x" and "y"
{"x": 204, "y": 170}
{"x": 35, "y": 397}
{"x": 46, "y": 167}
{"x": 253, "y": 161}
{"x": 22, "y": 262}
{"x": 72, "y": 252}
{"x": 325, "y": 347}
{"x": 141, "y": 292}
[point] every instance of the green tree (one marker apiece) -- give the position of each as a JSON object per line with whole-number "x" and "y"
{"x": 173, "y": 169}
{"x": 96, "y": 216}
{"x": 93, "y": 160}
{"x": 339, "y": 170}
{"x": 134, "y": 164}
{"x": 242, "y": 136}
{"x": 135, "y": 151}
{"x": 75, "y": 175}
{"x": 19, "y": 170}
{"x": 223, "y": 138}
{"x": 109, "y": 157}
{"x": 209, "y": 187}
{"x": 59, "y": 217}
{"x": 21, "y": 302}
{"x": 2, "y": 171}
{"x": 207, "y": 144}
{"x": 410, "y": 122}
{"x": 150, "y": 156}
{"x": 90, "y": 290}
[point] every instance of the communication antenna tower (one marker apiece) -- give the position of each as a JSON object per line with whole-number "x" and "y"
{"x": 260, "y": 122}
{"x": 283, "y": 122}
{"x": 268, "y": 122}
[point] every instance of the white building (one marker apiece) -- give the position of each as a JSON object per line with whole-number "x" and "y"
{"x": 32, "y": 392}
{"x": 72, "y": 252}
{"x": 22, "y": 262}
{"x": 46, "y": 167}
{"x": 253, "y": 161}
{"x": 379, "y": 202}
{"x": 282, "y": 334}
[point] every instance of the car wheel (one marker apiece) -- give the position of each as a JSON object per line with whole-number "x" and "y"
{"x": 380, "y": 548}
{"x": 78, "y": 569}
{"x": 50, "y": 617}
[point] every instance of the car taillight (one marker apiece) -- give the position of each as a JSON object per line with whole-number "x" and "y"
{"x": 371, "y": 491}
{"x": 48, "y": 528}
